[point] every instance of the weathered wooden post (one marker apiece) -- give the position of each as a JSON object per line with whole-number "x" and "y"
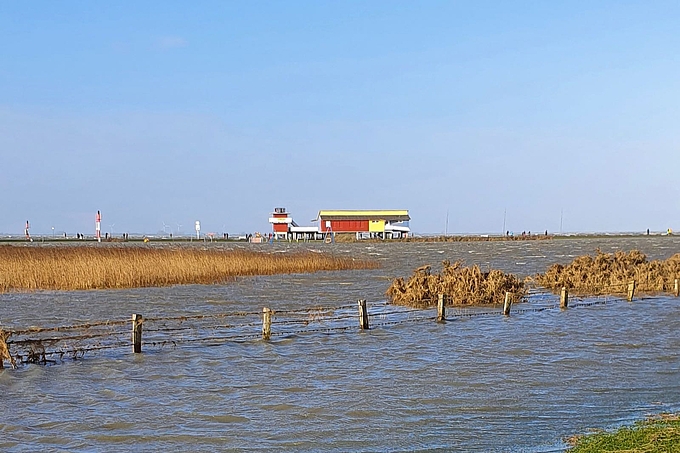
{"x": 677, "y": 288}
{"x": 137, "y": 321}
{"x": 363, "y": 315}
{"x": 507, "y": 304}
{"x": 564, "y": 298}
{"x": 631, "y": 290}
{"x": 266, "y": 324}
{"x": 4, "y": 350}
{"x": 441, "y": 310}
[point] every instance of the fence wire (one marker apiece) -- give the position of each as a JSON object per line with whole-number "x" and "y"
{"x": 46, "y": 345}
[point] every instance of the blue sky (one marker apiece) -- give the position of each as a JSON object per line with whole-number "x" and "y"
{"x": 171, "y": 112}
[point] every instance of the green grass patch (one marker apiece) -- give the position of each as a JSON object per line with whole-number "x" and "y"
{"x": 657, "y": 434}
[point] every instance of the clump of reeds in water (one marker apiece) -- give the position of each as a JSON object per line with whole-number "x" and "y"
{"x": 351, "y": 237}
{"x": 462, "y": 286}
{"x": 78, "y": 267}
{"x": 4, "y": 350}
{"x": 609, "y": 273}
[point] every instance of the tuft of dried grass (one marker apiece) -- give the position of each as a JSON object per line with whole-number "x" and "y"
{"x": 462, "y": 285}
{"x": 4, "y": 350}
{"x": 609, "y": 273}
{"x": 81, "y": 268}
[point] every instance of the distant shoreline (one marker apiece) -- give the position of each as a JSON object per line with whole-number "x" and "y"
{"x": 341, "y": 237}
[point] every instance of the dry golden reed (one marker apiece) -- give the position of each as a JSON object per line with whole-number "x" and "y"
{"x": 462, "y": 286}
{"x": 609, "y": 273}
{"x": 79, "y": 268}
{"x": 4, "y": 350}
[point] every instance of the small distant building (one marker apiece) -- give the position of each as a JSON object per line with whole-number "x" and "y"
{"x": 281, "y": 222}
{"x": 385, "y": 224}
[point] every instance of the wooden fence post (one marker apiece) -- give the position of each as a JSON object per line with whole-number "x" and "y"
{"x": 266, "y": 324}
{"x": 363, "y": 314}
{"x": 137, "y": 321}
{"x": 564, "y": 297}
{"x": 441, "y": 308}
{"x": 507, "y": 304}
{"x": 677, "y": 288}
{"x": 4, "y": 350}
{"x": 631, "y": 290}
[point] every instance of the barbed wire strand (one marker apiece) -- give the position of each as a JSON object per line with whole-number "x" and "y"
{"x": 203, "y": 316}
{"x": 57, "y": 339}
{"x": 313, "y": 309}
{"x": 39, "y": 355}
{"x": 88, "y": 325}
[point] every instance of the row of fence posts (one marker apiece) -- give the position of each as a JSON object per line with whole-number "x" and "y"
{"x": 137, "y": 320}
{"x": 630, "y": 294}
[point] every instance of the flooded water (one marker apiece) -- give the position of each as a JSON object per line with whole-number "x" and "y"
{"x": 488, "y": 383}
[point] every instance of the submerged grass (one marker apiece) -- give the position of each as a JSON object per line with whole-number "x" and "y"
{"x": 462, "y": 286}
{"x": 608, "y": 273}
{"x": 80, "y": 268}
{"x": 655, "y": 435}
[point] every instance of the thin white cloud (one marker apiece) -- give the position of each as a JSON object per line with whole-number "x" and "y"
{"x": 170, "y": 42}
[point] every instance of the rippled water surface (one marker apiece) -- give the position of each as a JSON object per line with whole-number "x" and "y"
{"x": 520, "y": 383}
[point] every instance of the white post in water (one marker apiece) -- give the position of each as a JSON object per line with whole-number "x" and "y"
{"x": 677, "y": 288}
{"x": 266, "y": 324}
{"x": 507, "y": 304}
{"x": 198, "y": 230}
{"x": 441, "y": 308}
{"x": 631, "y": 290}
{"x": 564, "y": 298}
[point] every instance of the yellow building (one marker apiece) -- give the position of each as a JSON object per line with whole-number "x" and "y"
{"x": 375, "y": 223}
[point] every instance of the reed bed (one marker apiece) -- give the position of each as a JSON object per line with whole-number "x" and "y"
{"x": 81, "y": 268}
{"x": 462, "y": 285}
{"x": 609, "y": 273}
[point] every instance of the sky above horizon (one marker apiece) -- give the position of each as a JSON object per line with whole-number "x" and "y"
{"x": 159, "y": 114}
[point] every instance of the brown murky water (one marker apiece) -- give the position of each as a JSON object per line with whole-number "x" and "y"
{"x": 520, "y": 383}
